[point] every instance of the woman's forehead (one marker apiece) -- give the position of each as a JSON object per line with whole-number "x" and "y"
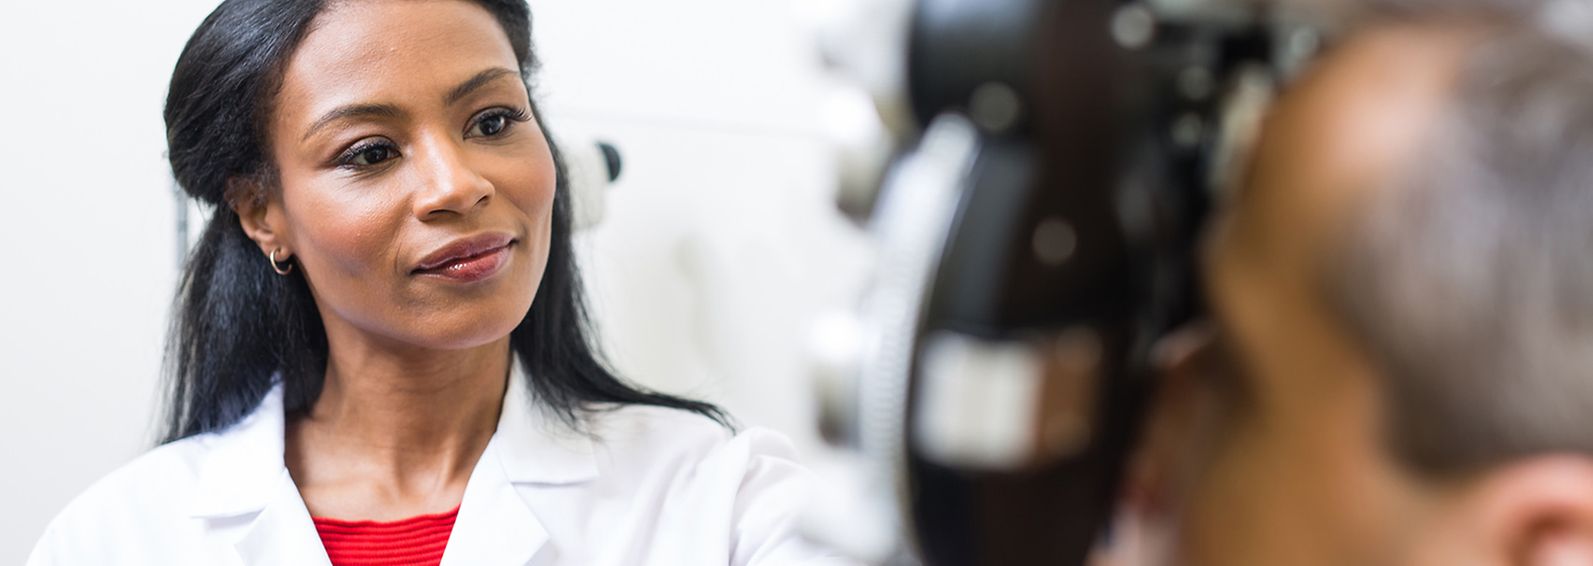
{"x": 394, "y": 53}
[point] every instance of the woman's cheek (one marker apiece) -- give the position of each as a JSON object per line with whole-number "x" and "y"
{"x": 530, "y": 184}
{"x": 352, "y": 231}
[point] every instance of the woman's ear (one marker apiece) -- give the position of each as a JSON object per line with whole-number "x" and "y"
{"x": 1537, "y": 511}
{"x": 259, "y": 216}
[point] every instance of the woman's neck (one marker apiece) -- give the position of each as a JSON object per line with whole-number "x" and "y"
{"x": 396, "y": 433}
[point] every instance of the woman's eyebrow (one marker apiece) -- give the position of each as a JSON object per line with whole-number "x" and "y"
{"x": 353, "y": 111}
{"x": 464, "y": 89}
{"x": 480, "y": 80}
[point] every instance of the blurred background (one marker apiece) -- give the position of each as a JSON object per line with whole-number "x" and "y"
{"x": 719, "y": 247}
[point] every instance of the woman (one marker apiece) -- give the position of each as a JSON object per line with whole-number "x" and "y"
{"x": 378, "y": 351}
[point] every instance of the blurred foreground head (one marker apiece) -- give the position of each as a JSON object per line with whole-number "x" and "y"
{"x": 1399, "y": 369}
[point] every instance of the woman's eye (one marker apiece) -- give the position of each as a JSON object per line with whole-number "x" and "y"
{"x": 373, "y": 155}
{"x": 492, "y": 125}
{"x": 368, "y": 155}
{"x": 497, "y": 122}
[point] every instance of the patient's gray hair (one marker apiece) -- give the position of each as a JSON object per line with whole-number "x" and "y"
{"x": 1570, "y": 20}
{"x": 1471, "y": 283}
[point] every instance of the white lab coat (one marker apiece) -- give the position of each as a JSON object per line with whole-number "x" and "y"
{"x": 643, "y": 486}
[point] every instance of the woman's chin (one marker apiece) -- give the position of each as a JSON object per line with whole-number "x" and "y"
{"x": 462, "y": 330}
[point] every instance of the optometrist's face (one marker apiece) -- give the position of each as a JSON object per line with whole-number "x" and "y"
{"x": 416, "y": 186}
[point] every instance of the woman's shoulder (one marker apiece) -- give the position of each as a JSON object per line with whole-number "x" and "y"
{"x": 163, "y": 473}
{"x": 145, "y": 497}
{"x": 663, "y": 434}
{"x": 693, "y": 456}
{"x": 704, "y": 481}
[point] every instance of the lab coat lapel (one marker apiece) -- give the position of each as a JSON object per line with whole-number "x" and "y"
{"x": 283, "y": 532}
{"x": 247, "y": 498}
{"x": 497, "y": 524}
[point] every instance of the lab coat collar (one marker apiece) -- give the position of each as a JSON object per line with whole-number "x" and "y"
{"x": 245, "y": 475}
{"x": 535, "y": 445}
{"x": 238, "y": 476}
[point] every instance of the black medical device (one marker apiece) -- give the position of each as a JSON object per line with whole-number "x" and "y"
{"x": 1035, "y": 238}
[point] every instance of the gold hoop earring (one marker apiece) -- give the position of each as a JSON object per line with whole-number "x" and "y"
{"x": 278, "y": 268}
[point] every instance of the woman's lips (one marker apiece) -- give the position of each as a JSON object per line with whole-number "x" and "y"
{"x": 471, "y": 268}
{"x": 468, "y": 259}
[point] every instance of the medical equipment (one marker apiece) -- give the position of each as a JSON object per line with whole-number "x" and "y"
{"x": 1035, "y": 238}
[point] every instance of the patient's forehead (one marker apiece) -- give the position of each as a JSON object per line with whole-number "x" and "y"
{"x": 1339, "y": 136}
{"x": 1348, "y": 129}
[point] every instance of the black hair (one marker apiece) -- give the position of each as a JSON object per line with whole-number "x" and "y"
{"x": 237, "y": 323}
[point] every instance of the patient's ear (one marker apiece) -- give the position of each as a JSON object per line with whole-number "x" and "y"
{"x": 1143, "y": 528}
{"x": 1536, "y": 512}
{"x": 1161, "y": 456}
{"x": 259, "y": 215}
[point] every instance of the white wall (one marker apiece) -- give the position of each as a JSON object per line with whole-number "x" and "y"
{"x": 719, "y": 245}
{"x": 87, "y": 258}
{"x": 721, "y": 239}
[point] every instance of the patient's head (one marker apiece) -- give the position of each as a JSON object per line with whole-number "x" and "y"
{"x": 1400, "y": 365}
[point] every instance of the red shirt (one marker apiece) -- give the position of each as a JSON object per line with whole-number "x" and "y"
{"x": 413, "y": 541}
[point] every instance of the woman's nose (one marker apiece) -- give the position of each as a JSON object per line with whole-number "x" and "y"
{"x": 448, "y": 184}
